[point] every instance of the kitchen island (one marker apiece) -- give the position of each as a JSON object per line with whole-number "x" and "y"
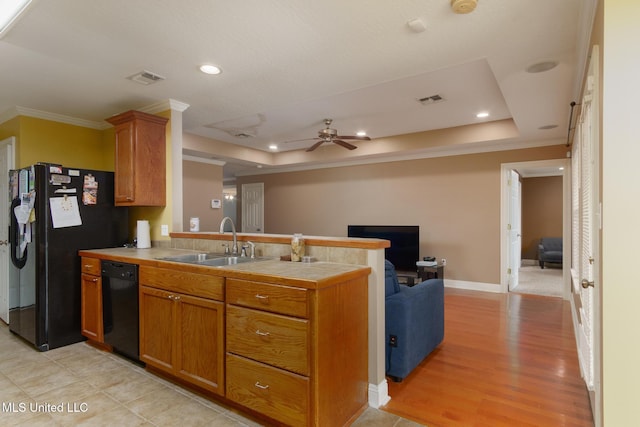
{"x": 283, "y": 340}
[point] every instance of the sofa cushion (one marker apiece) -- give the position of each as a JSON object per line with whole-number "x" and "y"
{"x": 391, "y": 284}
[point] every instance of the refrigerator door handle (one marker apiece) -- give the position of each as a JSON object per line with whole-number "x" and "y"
{"x": 14, "y": 237}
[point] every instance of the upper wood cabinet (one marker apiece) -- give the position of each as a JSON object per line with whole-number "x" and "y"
{"x": 140, "y": 159}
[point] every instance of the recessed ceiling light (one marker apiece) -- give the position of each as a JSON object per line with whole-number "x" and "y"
{"x": 273, "y": 147}
{"x": 561, "y": 168}
{"x": 482, "y": 115}
{"x": 210, "y": 69}
{"x": 541, "y": 67}
{"x": 361, "y": 133}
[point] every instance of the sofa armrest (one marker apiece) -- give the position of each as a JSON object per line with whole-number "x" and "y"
{"x": 415, "y": 315}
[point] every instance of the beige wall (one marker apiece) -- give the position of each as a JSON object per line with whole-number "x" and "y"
{"x": 541, "y": 212}
{"x": 455, "y": 201}
{"x": 201, "y": 182}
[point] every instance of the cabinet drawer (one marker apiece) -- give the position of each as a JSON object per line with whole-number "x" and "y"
{"x": 270, "y": 338}
{"x": 265, "y": 296}
{"x": 90, "y": 266}
{"x": 278, "y": 394}
{"x": 196, "y": 284}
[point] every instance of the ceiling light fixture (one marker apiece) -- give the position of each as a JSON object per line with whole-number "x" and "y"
{"x": 416, "y": 25}
{"x": 273, "y": 147}
{"x": 9, "y": 13}
{"x": 361, "y": 133}
{"x": 463, "y": 6}
{"x": 541, "y": 67}
{"x": 210, "y": 69}
{"x": 482, "y": 115}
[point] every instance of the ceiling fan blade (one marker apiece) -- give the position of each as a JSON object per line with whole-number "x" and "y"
{"x": 361, "y": 138}
{"x": 344, "y": 144}
{"x": 298, "y": 140}
{"x": 316, "y": 145}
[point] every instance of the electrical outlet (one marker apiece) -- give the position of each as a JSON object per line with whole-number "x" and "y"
{"x": 393, "y": 341}
{"x": 164, "y": 230}
{"x": 444, "y": 261}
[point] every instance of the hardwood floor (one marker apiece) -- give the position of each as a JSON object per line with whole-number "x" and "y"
{"x": 506, "y": 360}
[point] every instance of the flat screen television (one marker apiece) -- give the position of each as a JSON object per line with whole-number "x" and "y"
{"x": 405, "y": 242}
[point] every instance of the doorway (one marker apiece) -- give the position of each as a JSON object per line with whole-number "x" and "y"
{"x": 517, "y": 272}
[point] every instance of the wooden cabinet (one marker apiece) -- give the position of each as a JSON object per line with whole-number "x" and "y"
{"x": 91, "y": 300}
{"x": 140, "y": 159}
{"x": 298, "y": 355}
{"x": 182, "y": 325}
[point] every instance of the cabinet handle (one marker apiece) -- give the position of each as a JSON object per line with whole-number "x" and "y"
{"x": 260, "y": 386}
{"x": 262, "y": 297}
{"x": 87, "y": 267}
{"x": 174, "y": 297}
{"x": 262, "y": 334}
{"x": 94, "y": 280}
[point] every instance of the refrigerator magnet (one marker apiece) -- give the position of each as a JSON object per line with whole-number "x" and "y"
{"x": 90, "y": 190}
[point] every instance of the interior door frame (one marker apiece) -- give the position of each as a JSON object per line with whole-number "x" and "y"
{"x": 505, "y": 173}
{"x": 9, "y": 145}
{"x": 515, "y": 217}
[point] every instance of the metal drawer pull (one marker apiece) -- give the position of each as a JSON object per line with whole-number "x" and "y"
{"x": 262, "y": 334}
{"x": 263, "y": 387}
{"x": 88, "y": 266}
{"x": 263, "y": 297}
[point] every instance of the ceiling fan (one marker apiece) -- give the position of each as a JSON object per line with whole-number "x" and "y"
{"x": 331, "y": 135}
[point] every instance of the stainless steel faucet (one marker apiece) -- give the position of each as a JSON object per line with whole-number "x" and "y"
{"x": 234, "y": 248}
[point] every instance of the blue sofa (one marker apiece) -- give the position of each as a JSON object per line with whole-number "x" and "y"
{"x": 550, "y": 250}
{"x": 415, "y": 317}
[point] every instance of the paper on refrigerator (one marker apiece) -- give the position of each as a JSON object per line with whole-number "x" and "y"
{"x": 64, "y": 211}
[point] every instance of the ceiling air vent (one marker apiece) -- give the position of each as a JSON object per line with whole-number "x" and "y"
{"x": 146, "y": 77}
{"x": 431, "y": 99}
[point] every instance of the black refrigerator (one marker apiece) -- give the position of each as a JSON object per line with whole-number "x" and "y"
{"x": 55, "y": 212}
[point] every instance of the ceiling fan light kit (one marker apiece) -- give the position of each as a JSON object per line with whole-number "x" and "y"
{"x": 463, "y": 6}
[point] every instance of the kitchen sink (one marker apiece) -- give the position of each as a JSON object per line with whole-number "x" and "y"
{"x": 212, "y": 259}
{"x": 193, "y": 258}
{"x": 230, "y": 260}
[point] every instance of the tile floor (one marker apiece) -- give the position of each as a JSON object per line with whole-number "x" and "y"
{"x": 80, "y": 385}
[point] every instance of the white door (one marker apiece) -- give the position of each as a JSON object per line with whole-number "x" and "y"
{"x": 253, "y": 208}
{"x": 515, "y": 233}
{"x": 585, "y": 258}
{"x": 6, "y": 163}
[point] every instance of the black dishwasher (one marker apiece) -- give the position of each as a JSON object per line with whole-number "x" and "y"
{"x": 120, "y": 307}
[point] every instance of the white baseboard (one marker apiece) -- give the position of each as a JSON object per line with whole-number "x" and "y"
{"x": 379, "y": 394}
{"x": 473, "y": 286}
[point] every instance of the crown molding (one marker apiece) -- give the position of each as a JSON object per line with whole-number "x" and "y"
{"x": 167, "y": 104}
{"x": 54, "y": 117}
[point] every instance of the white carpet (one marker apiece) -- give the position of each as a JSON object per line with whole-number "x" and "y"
{"x": 539, "y": 281}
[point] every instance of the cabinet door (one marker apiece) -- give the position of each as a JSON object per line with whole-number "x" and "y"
{"x": 200, "y": 346}
{"x": 157, "y": 328}
{"x": 125, "y": 164}
{"x": 91, "y": 316}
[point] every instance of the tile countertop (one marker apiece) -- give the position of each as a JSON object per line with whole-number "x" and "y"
{"x": 308, "y": 275}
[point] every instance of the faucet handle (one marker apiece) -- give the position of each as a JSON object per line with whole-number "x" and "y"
{"x": 253, "y": 248}
{"x": 226, "y": 248}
